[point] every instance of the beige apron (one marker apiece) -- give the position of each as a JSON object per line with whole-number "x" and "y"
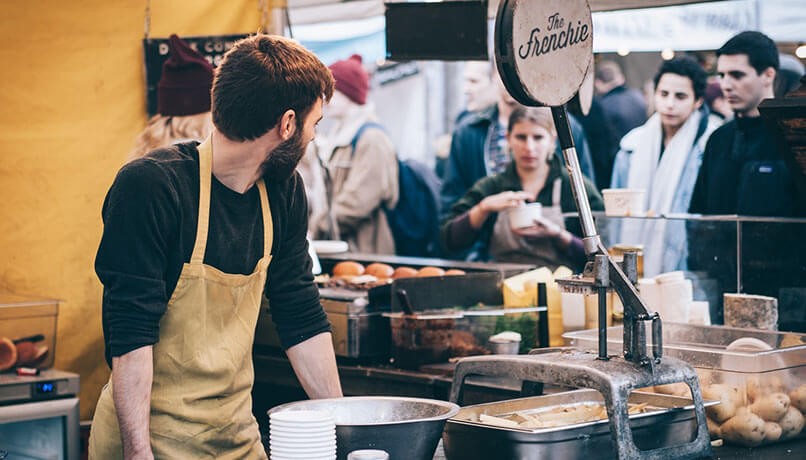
{"x": 505, "y": 246}
{"x": 201, "y": 403}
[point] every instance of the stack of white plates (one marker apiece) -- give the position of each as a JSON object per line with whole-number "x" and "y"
{"x": 302, "y": 434}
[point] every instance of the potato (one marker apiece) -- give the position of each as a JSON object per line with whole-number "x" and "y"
{"x": 747, "y": 429}
{"x": 772, "y": 431}
{"x": 706, "y": 376}
{"x": 791, "y": 340}
{"x": 771, "y": 407}
{"x": 758, "y": 386}
{"x": 798, "y": 398}
{"x": 713, "y": 428}
{"x": 791, "y": 423}
{"x": 674, "y": 389}
{"x": 728, "y": 401}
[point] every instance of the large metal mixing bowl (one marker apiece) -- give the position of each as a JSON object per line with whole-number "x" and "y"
{"x": 406, "y": 428}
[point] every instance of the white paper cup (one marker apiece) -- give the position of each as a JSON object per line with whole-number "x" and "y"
{"x": 573, "y": 308}
{"x": 700, "y": 313}
{"x": 624, "y": 201}
{"x": 525, "y": 215}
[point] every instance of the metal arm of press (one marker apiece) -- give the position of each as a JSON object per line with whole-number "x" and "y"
{"x": 602, "y": 271}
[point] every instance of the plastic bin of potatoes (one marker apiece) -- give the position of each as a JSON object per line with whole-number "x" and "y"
{"x": 753, "y": 409}
{"x": 759, "y": 378}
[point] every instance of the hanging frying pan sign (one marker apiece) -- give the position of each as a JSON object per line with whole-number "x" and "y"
{"x": 543, "y": 49}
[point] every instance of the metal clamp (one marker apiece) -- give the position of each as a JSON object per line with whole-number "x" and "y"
{"x": 615, "y": 379}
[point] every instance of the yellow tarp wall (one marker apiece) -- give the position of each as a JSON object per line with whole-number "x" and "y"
{"x": 71, "y": 103}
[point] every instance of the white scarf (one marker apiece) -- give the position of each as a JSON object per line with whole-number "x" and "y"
{"x": 659, "y": 179}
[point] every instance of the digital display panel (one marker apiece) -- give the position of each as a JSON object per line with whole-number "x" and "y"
{"x": 452, "y": 30}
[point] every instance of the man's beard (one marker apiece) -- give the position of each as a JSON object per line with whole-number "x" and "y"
{"x": 281, "y": 162}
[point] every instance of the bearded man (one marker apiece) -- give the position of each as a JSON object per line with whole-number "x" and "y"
{"x": 194, "y": 236}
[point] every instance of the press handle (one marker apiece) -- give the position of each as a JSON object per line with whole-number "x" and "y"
{"x": 405, "y": 302}
{"x": 518, "y": 367}
{"x": 657, "y": 337}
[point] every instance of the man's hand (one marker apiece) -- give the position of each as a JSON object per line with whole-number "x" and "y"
{"x": 544, "y": 229}
{"x": 314, "y": 362}
{"x": 132, "y": 375}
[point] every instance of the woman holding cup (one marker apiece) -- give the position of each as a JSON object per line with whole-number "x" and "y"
{"x": 516, "y": 216}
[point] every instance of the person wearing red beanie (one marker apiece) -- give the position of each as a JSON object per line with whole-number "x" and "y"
{"x": 362, "y": 166}
{"x": 351, "y": 78}
{"x": 183, "y": 100}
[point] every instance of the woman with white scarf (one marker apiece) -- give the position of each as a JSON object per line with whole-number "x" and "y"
{"x": 663, "y": 157}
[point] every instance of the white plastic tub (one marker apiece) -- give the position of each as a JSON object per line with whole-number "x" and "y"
{"x": 525, "y": 215}
{"x": 624, "y": 201}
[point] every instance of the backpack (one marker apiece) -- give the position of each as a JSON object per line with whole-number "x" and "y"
{"x": 414, "y": 221}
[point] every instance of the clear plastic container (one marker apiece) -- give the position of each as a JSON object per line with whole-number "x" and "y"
{"x": 758, "y": 376}
{"x": 31, "y": 324}
{"x": 438, "y": 335}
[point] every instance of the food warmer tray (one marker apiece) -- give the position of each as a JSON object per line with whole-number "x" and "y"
{"x": 670, "y": 421}
{"x": 358, "y": 329}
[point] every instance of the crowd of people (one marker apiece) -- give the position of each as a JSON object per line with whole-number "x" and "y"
{"x": 702, "y": 149}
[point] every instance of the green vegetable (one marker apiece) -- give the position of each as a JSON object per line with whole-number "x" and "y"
{"x": 523, "y": 323}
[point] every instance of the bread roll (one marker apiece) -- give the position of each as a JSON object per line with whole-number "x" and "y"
{"x": 347, "y": 269}
{"x": 380, "y": 271}
{"x": 25, "y": 353}
{"x": 404, "y": 272}
{"x": 430, "y": 271}
{"x": 8, "y": 353}
{"x": 454, "y": 272}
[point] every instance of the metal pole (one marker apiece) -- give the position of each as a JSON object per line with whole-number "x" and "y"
{"x": 738, "y": 256}
{"x": 601, "y": 271}
{"x": 575, "y": 175}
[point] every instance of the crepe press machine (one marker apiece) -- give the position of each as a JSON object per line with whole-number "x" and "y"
{"x": 544, "y": 53}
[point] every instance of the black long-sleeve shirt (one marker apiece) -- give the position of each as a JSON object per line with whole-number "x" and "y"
{"x": 743, "y": 172}
{"x": 150, "y": 216}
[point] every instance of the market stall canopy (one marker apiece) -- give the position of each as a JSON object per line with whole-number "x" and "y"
{"x": 335, "y": 27}
{"x": 315, "y": 11}
{"x": 613, "y": 5}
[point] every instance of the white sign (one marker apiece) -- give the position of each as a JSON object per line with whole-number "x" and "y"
{"x": 690, "y": 27}
{"x": 552, "y": 47}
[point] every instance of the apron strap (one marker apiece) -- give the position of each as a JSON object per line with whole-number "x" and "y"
{"x": 205, "y": 178}
{"x": 268, "y": 226}
{"x": 556, "y": 192}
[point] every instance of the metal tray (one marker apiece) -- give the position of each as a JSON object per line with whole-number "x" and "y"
{"x": 707, "y": 346}
{"x": 670, "y": 422}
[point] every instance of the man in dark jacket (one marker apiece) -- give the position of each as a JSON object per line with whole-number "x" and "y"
{"x": 624, "y": 108}
{"x": 601, "y": 139}
{"x": 743, "y": 172}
